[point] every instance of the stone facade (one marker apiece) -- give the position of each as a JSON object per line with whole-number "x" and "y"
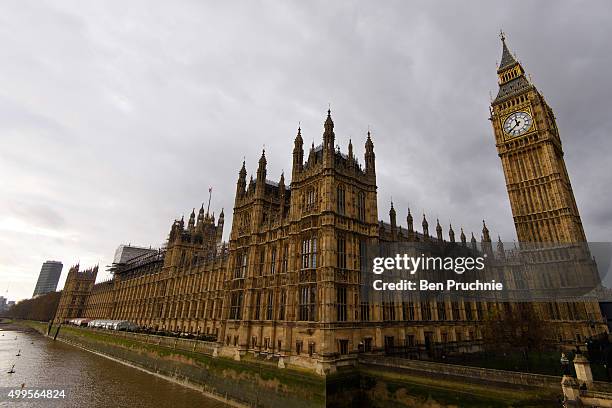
{"x": 288, "y": 281}
{"x": 529, "y": 145}
{"x": 76, "y": 292}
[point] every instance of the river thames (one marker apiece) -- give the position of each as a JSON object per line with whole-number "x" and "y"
{"x": 88, "y": 380}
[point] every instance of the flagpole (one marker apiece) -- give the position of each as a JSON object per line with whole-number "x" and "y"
{"x": 209, "y": 196}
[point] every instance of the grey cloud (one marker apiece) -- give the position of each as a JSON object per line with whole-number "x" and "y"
{"x": 127, "y": 112}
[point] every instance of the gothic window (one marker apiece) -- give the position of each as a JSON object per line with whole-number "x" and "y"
{"x": 281, "y": 310}
{"x": 257, "y": 305}
{"x": 343, "y": 346}
{"x": 361, "y": 206}
{"x": 273, "y": 261}
{"x": 479, "y": 311}
{"x": 407, "y": 311}
{"x": 310, "y": 199}
{"x": 441, "y": 310}
{"x": 262, "y": 261}
{"x": 341, "y": 252}
{"x": 367, "y": 344}
{"x": 309, "y": 253}
{"x": 341, "y": 303}
{"x": 456, "y": 310}
{"x": 307, "y": 302}
{"x": 236, "y": 306}
{"x": 311, "y": 348}
{"x": 285, "y": 259}
{"x": 241, "y": 265}
{"x": 425, "y": 311}
{"x": 365, "y": 311}
{"x": 362, "y": 255}
{"x": 341, "y": 193}
{"x": 468, "y": 311}
{"x": 298, "y": 346}
{"x": 388, "y": 311}
{"x": 269, "y": 305}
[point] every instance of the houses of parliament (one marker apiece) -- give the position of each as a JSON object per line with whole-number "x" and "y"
{"x": 288, "y": 281}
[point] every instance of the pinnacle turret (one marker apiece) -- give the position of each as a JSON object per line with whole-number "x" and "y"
{"x": 425, "y": 225}
{"x": 328, "y": 134}
{"x": 507, "y": 59}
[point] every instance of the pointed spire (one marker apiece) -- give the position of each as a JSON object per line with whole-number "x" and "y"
{"x": 350, "y": 149}
{"x": 298, "y": 153}
{"x": 511, "y": 75}
{"x": 393, "y": 220}
{"x": 409, "y": 221}
{"x": 473, "y": 242}
{"x": 500, "y": 247}
{"x": 261, "y": 170}
{"x": 485, "y": 232}
{"x": 438, "y": 230}
{"x": 369, "y": 144}
{"x": 328, "y": 134}
{"x": 209, "y": 198}
{"x": 329, "y": 121}
{"x": 451, "y": 233}
{"x": 507, "y": 59}
{"x": 462, "y": 236}
{"x": 191, "y": 223}
{"x": 370, "y": 157}
{"x": 241, "y": 184}
{"x": 243, "y": 171}
{"x": 425, "y": 225}
{"x": 298, "y": 137}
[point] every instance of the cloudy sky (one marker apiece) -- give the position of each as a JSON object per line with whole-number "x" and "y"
{"x": 116, "y": 117}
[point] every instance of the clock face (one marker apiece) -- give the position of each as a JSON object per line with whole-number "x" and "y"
{"x": 517, "y": 123}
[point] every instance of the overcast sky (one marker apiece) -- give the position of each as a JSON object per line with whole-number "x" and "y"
{"x": 116, "y": 117}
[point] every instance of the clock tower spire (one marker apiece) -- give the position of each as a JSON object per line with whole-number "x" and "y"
{"x": 529, "y": 146}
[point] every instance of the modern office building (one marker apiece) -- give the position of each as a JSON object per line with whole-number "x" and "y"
{"x": 49, "y": 277}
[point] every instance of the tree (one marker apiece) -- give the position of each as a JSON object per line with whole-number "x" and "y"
{"x": 518, "y": 327}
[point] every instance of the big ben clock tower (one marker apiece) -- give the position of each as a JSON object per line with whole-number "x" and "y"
{"x": 528, "y": 143}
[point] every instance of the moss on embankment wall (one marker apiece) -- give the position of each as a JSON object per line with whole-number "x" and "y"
{"x": 251, "y": 382}
{"x": 259, "y": 383}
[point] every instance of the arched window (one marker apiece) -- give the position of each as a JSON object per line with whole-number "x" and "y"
{"x": 361, "y": 206}
{"x": 309, "y": 253}
{"x": 341, "y": 193}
